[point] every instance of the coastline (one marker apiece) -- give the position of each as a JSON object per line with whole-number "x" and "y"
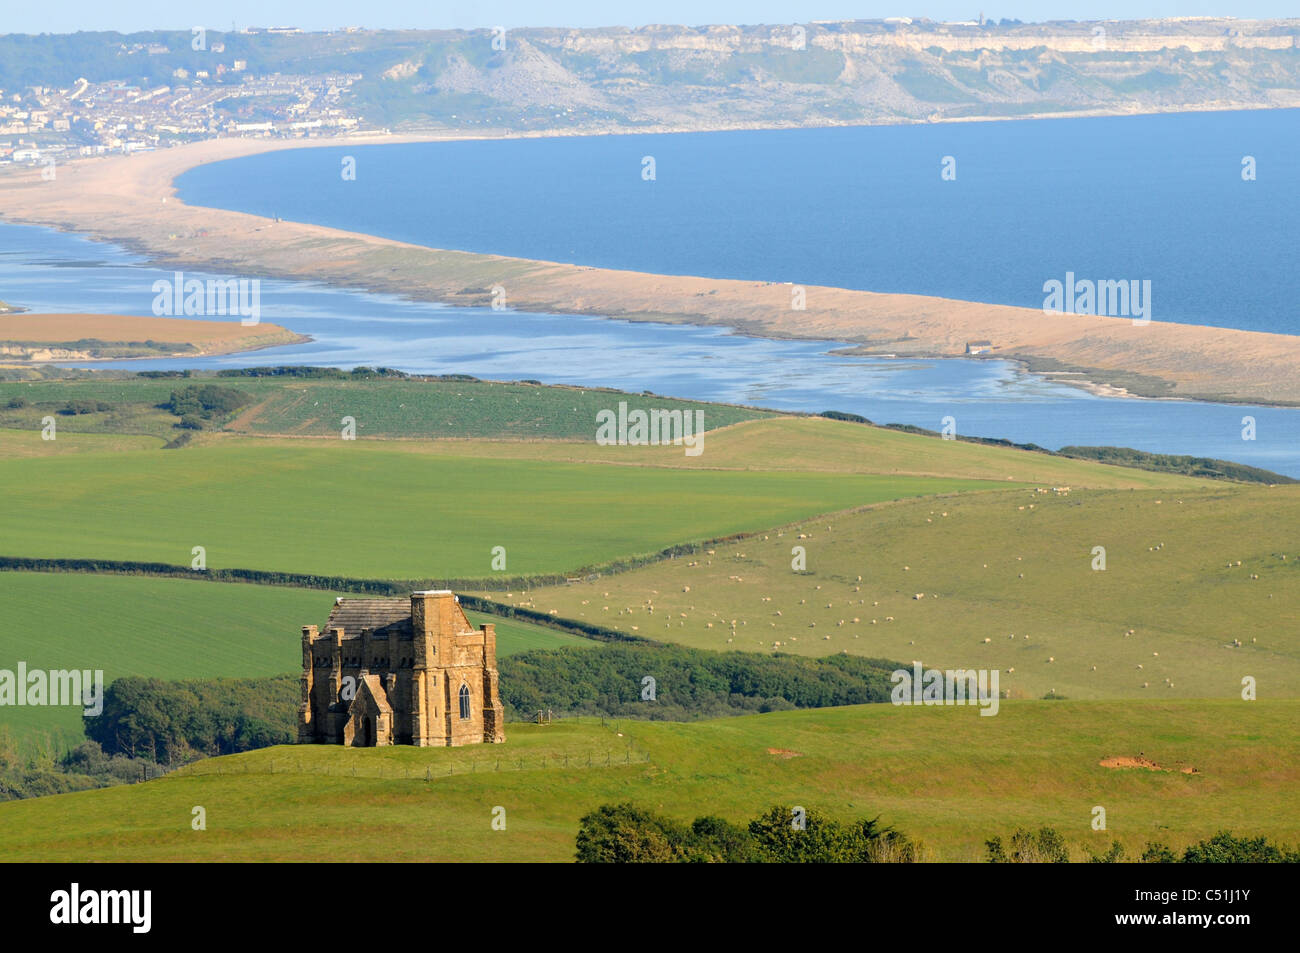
{"x": 33, "y": 339}
{"x": 130, "y": 200}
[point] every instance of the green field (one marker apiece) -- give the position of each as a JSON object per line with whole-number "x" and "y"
{"x": 168, "y": 628}
{"x": 364, "y": 509}
{"x": 945, "y": 775}
{"x": 994, "y": 565}
{"x": 384, "y": 408}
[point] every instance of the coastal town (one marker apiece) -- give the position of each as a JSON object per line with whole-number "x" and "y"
{"x": 43, "y": 123}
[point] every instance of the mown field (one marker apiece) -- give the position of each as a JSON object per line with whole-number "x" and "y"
{"x": 1013, "y": 567}
{"x": 945, "y": 775}
{"x": 366, "y": 509}
{"x": 168, "y": 628}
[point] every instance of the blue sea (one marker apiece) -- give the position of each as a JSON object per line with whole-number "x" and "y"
{"x": 1153, "y": 198}
{"x": 51, "y": 271}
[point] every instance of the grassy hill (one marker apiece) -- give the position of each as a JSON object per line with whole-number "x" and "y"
{"x": 945, "y": 775}
{"x": 168, "y": 628}
{"x": 369, "y": 509}
{"x": 389, "y": 408}
{"x": 1013, "y": 567}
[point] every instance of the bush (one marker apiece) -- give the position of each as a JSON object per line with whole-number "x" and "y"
{"x": 625, "y": 833}
{"x": 76, "y": 407}
{"x": 1044, "y": 847}
{"x": 18, "y": 403}
{"x": 689, "y": 683}
{"x": 205, "y": 401}
{"x": 173, "y": 722}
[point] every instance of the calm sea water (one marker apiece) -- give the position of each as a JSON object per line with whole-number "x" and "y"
{"x": 1157, "y": 198}
{"x": 51, "y": 271}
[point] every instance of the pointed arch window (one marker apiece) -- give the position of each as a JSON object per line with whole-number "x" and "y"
{"x": 464, "y": 701}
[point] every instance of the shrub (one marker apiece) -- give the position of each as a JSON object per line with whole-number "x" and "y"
{"x": 1045, "y": 847}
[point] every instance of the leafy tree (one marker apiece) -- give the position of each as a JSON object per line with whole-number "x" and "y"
{"x": 626, "y": 834}
{"x": 1224, "y": 848}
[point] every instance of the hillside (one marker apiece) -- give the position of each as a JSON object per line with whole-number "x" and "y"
{"x": 945, "y": 775}
{"x": 718, "y": 76}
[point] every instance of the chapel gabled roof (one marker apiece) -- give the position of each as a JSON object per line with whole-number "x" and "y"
{"x": 383, "y": 616}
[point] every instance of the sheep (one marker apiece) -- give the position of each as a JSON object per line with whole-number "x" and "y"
{"x": 987, "y": 640}
{"x": 919, "y": 595}
{"x": 1051, "y": 658}
{"x": 907, "y": 568}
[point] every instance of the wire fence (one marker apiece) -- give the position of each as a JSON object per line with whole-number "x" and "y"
{"x": 412, "y": 772}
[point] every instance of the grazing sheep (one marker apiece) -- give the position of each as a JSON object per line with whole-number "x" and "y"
{"x": 1051, "y": 658}
{"x": 987, "y": 640}
{"x": 919, "y": 595}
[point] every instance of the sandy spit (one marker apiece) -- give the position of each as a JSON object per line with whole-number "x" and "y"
{"x": 130, "y": 200}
